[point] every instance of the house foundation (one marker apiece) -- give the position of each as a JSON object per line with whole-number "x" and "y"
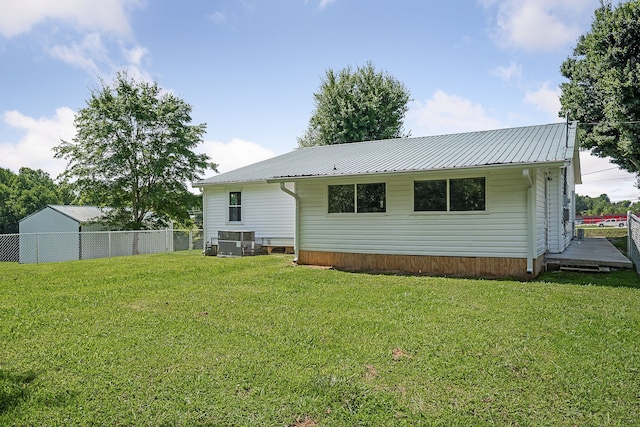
{"x": 425, "y": 264}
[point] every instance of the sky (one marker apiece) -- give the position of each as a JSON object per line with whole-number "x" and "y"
{"x": 249, "y": 68}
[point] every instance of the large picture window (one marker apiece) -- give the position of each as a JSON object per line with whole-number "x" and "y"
{"x": 235, "y": 206}
{"x": 464, "y": 194}
{"x": 361, "y": 198}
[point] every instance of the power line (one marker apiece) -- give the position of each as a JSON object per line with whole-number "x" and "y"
{"x": 603, "y": 170}
{"x": 630, "y": 122}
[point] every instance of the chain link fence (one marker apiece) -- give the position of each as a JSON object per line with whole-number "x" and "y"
{"x": 634, "y": 240}
{"x": 29, "y": 248}
{"x": 9, "y": 247}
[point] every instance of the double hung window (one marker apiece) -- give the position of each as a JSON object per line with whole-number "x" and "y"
{"x": 235, "y": 206}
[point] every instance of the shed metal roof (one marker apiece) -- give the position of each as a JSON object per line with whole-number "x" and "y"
{"x": 82, "y": 214}
{"x": 551, "y": 143}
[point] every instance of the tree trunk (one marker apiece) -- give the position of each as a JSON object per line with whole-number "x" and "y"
{"x": 136, "y": 239}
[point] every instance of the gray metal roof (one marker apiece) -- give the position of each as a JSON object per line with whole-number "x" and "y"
{"x": 524, "y": 145}
{"x": 82, "y": 214}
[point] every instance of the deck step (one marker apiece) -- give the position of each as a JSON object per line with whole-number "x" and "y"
{"x": 587, "y": 269}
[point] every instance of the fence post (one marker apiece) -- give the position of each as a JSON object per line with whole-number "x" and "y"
{"x": 37, "y": 248}
{"x": 109, "y": 234}
{"x": 190, "y": 240}
{"x": 166, "y": 240}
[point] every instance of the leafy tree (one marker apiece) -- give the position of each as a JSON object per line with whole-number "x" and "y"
{"x": 32, "y": 190}
{"x": 603, "y": 91}
{"x": 360, "y": 105}
{"x": 25, "y": 193}
{"x": 586, "y": 205}
{"x": 133, "y": 152}
{"x": 8, "y": 222}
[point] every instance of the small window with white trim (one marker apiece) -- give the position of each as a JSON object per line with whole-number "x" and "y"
{"x": 235, "y": 206}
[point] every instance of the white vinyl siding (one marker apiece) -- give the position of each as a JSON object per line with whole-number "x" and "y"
{"x": 500, "y": 231}
{"x": 266, "y": 209}
{"x": 560, "y": 231}
{"x": 542, "y": 208}
{"x": 554, "y": 195}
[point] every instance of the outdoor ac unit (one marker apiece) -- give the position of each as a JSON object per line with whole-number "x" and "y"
{"x": 236, "y": 243}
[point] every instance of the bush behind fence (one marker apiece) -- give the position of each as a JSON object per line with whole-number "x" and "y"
{"x": 51, "y": 247}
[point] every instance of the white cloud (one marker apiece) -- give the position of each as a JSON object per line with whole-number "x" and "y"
{"x": 235, "y": 153}
{"x": 539, "y": 25}
{"x": 600, "y": 176}
{"x": 95, "y": 36}
{"x": 86, "y": 55}
{"x": 545, "y": 99}
{"x": 34, "y": 150}
{"x": 135, "y": 55}
{"x": 18, "y": 17}
{"x": 325, "y": 3}
{"x": 445, "y": 113}
{"x": 218, "y": 18}
{"x": 513, "y": 71}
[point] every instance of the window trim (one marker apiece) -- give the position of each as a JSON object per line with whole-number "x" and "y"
{"x": 413, "y": 196}
{"x": 355, "y": 198}
{"x": 355, "y": 207}
{"x": 229, "y": 206}
{"x": 449, "y": 211}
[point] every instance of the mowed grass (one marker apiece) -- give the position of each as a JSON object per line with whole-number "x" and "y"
{"x": 185, "y": 340}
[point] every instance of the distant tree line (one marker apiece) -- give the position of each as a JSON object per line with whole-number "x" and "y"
{"x": 600, "y": 205}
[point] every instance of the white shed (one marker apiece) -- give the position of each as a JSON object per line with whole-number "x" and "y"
{"x": 53, "y": 233}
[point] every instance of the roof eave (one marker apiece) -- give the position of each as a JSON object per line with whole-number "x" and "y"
{"x": 552, "y": 163}
{"x": 209, "y": 184}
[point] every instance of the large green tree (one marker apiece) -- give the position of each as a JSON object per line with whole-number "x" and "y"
{"x": 360, "y": 105}
{"x": 133, "y": 152}
{"x": 8, "y": 223}
{"x": 603, "y": 88}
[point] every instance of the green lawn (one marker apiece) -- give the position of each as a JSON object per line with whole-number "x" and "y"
{"x": 186, "y": 340}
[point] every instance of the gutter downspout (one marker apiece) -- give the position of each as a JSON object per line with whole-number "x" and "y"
{"x": 296, "y": 232}
{"x": 530, "y": 220}
{"x": 204, "y": 216}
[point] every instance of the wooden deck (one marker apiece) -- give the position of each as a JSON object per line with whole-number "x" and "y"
{"x": 590, "y": 253}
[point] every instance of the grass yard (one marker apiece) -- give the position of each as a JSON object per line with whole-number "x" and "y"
{"x": 186, "y": 340}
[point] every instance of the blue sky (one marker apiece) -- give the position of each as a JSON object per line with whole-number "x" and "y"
{"x": 249, "y": 68}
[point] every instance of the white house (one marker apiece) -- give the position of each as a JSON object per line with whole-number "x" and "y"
{"x": 62, "y": 224}
{"x": 240, "y": 201}
{"x": 488, "y": 203}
